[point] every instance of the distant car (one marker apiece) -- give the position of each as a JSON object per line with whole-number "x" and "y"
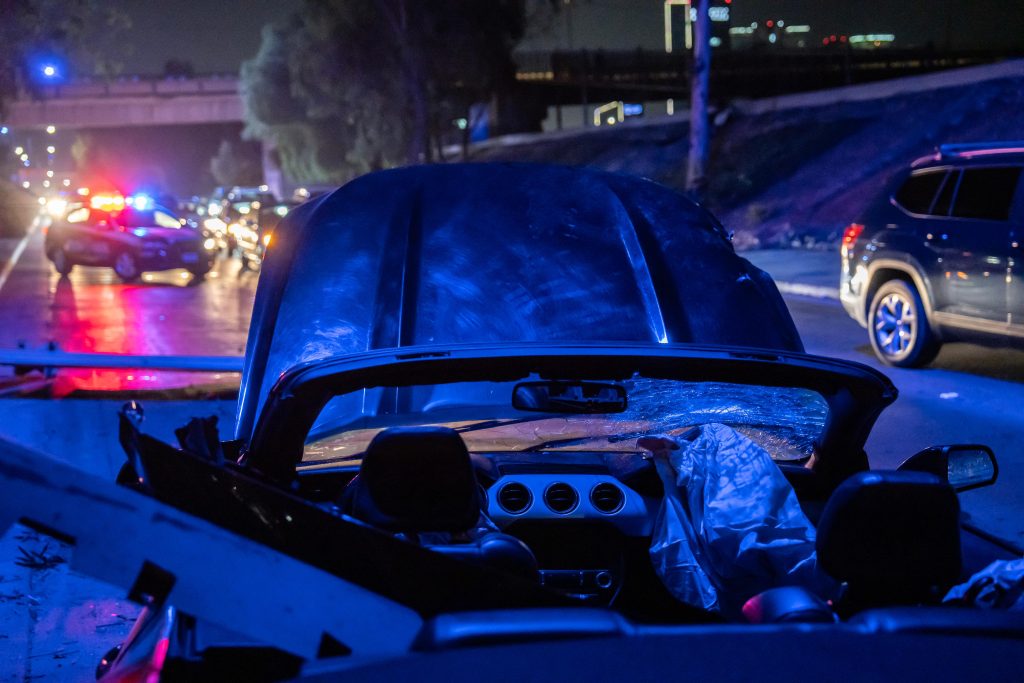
{"x": 939, "y": 257}
{"x": 130, "y": 239}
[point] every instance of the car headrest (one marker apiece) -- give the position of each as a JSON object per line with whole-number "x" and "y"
{"x": 891, "y": 529}
{"x": 416, "y": 479}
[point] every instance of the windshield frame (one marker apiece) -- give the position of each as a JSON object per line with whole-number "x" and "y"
{"x": 855, "y": 394}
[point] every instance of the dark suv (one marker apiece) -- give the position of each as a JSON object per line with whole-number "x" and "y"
{"x": 939, "y": 257}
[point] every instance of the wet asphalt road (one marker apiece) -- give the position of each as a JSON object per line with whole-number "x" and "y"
{"x": 969, "y": 394}
{"x": 92, "y": 310}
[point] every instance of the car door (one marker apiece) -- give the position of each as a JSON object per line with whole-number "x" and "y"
{"x": 971, "y": 237}
{"x": 87, "y": 236}
{"x": 1015, "y": 274}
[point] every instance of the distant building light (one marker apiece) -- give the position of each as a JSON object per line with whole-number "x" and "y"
{"x": 51, "y": 129}
{"x": 49, "y": 71}
{"x": 46, "y": 183}
{"x": 49, "y": 173}
{"x": 873, "y": 38}
{"x": 4, "y": 130}
{"x": 66, "y": 182}
{"x": 770, "y": 23}
{"x": 634, "y": 109}
{"x": 23, "y": 157}
{"x": 264, "y": 188}
{"x": 670, "y": 106}
{"x": 461, "y": 123}
{"x": 19, "y": 150}
{"x": 615, "y": 111}
{"x": 740, "y": 31}
{"x": 51, "y": 149}
{"x": 26, "y": 184}
{"x": 772, "y": 38}
{"x": 798, "y": 28}
{"x": 753, "y": 24}
{"x": 688, "y": 15}
{"x": 715, "y": 41}
{"x": 781, "y": 23}
{"x": 718, "y": 13}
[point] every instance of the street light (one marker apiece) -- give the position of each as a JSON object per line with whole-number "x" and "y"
{"x": 51, "y": 129}
{"x": 51, "y": 149}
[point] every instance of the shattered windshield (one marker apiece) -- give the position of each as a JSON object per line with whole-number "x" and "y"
{"x": 785, "y": 421}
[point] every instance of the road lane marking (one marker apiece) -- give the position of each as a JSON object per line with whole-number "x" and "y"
{"x": 16, "y": 254}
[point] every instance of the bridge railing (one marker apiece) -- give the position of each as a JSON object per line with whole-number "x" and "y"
{"x": 138, "y": 86}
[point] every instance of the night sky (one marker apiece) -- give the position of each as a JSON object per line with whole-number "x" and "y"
{"x": 217, "y": 35}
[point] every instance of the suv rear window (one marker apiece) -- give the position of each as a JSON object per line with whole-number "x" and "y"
{"x": 918, "y": 191}
{"x": 986, "y": 193}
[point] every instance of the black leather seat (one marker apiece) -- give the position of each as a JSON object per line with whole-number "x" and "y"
{"x": 893, "y": 537}
{"x": 419, "y": 481}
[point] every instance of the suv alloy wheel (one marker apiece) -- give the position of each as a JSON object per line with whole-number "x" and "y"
{"x": 899, "y": 329}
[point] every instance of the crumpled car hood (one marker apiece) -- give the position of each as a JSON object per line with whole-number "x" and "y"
{"x": 479, "y": 253}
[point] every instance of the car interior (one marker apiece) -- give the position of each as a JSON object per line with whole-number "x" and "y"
{"x": 582, "y": 527}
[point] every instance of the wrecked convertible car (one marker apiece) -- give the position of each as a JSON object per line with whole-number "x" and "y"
{"x": 537, "y": 423}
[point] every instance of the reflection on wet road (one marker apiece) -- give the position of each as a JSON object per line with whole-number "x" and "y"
{"x": 166, "y": 313}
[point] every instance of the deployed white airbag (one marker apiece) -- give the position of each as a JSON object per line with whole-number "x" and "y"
{"x": 730, "y": 525}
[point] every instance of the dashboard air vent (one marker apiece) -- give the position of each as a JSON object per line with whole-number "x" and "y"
{"x": 514, "y": 498}
{"x": 607, "y": 498}
{"x": 561, "y": 498}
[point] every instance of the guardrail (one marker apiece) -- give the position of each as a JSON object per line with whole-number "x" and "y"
{"x": 46, "y": 359}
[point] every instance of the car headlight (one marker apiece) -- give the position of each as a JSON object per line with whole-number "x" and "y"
{"x": 215, "y": 224}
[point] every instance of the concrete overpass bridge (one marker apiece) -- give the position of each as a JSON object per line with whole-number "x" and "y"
{"x": 90, "y": 104}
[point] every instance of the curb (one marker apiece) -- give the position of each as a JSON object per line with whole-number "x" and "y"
{"x": 814, "y": 291}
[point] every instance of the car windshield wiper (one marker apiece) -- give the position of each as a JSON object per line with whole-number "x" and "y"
{"x": 554, "y": 443}
{"x": 472, "y": 427}
{"x": 500, "y": 422}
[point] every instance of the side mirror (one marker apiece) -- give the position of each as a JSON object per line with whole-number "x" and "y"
{"x": 964, "y": 466}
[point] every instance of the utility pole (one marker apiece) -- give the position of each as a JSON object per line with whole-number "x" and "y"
{"x": 700, "y": 134}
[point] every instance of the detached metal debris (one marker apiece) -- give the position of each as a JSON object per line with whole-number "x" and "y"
{"x": 161, "y": 554}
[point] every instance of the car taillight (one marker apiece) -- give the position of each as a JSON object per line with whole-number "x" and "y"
{"x": 850, "y": 235}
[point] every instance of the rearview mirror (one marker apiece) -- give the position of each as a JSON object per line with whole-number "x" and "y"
{"x": 569, "y": 397}
{"x": 964, "y": 466}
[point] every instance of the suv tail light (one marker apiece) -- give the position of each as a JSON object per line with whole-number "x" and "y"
{"x": 850, "y": 235}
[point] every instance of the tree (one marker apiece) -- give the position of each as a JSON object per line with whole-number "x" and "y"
{"x": 697, "y": 158}
{"x": 232, "y": 166}
{"x": 348, "y": 86}
{"x": 72, "y": 31}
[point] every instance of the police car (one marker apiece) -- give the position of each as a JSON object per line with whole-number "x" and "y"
{"x": 132, "y": 235}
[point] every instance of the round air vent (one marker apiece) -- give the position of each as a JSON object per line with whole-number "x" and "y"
{"x": 514, "y": 498}
{"x": 607, "y": 498}
{"x": 561, "y": 498}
